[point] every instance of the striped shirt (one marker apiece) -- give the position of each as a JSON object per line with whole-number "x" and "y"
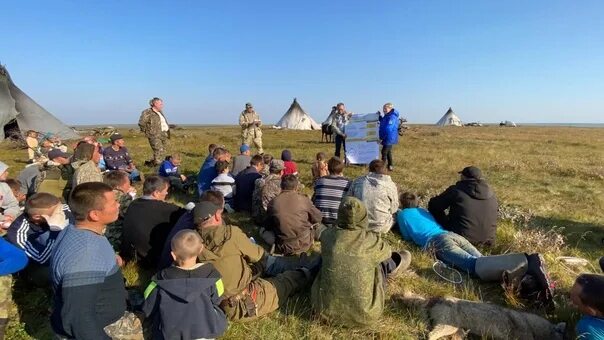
{"x": 36, "y": 241}
{"x": 329, "y": 191}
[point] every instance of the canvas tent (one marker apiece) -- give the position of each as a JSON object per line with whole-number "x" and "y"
{"x": 19, "y": 112}
{"x": 296, "y": 119}
{"x": 449, "y": 119}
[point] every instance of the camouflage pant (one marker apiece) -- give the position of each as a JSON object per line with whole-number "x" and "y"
{"x": 129, "y": 327}
{"x": 249, "y": 138}
{"x": 270, "y": 294}
{"x": 159, "y": 145}
{"x": 6, "y": 286}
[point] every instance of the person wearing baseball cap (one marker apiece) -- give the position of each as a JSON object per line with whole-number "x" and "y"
{"x": 238, "y": 259}
{"x": 472, "y": 208}
{"x": 250, "y": 123}
{"x": 241, "y": 161}
{"x": 117, "y": 157}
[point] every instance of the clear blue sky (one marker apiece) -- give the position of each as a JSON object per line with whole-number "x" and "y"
{"x": 100, "y": 61}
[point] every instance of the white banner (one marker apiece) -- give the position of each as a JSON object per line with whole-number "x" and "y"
{"x": 362, "y": 139}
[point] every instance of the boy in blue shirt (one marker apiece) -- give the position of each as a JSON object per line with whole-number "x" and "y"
{"x": 588, "y": 295}
{"x": 169, "y": 169}
{"x": 417, "y": 225}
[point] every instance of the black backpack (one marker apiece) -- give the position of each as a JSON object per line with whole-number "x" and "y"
{"x": 535, "y": 286}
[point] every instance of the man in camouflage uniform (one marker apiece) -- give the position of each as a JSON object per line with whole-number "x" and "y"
{"x": 250, "y": 127}
{"x": 266, "y": 189}
{"x": 241, "y": 262}
{"x": 154, "y": 125}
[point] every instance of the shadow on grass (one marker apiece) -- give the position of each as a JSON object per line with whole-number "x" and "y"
{"x": 586, "y": 237}
{"x": 33, "y": 307}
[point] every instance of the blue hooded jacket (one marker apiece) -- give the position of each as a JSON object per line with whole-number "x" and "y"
{"x": 184, "y": 304}
{"x": 389, "y": 128}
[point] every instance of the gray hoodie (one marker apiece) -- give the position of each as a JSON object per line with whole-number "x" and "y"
{"x": 8, "y": 202}
{"x": 379, "y": 194}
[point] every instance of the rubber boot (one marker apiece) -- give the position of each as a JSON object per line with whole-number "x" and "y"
{"x": 402, "y": 259}
{"x": 491, "y": 268}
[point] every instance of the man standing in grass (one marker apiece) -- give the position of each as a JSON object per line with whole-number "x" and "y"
{"x": 250, "y": 127}
{"x": 388, "y": 132}
{"x": 89, "y": 292}
{"x": 154, "y": 125}
{"x": 338, "y": 125}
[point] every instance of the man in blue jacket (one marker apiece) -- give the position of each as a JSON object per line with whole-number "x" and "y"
{"x": 388, "y": 132}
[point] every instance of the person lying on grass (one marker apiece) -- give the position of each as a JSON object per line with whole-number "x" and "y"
{"x": 419, "y": 226}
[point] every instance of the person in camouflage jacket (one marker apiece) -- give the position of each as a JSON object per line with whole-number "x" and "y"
{"x": 250, "y": 127}
{"x": 87, "y": 169}
{"x": 379, "y": 193}
{"x": 266, "y": 189}
{"x": 154, "y": 125}
{"x": 119, "y": 181}
{"x": 349, "y": 289}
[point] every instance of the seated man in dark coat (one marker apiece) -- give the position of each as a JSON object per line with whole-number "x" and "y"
{"x": 472, "y": 208}
{"x": 149, "y": 220}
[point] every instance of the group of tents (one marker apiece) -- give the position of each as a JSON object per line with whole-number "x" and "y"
{"x": 19, "y": 113}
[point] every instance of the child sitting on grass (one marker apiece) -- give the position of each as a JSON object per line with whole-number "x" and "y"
{"x": 290, "y": 166}
{"x": 319, "y": 167}
{"x": 224, "y": 183}
{"x": 169, "y": 169}
{"x": 182, "y": 301}
{"x": 588, "y": 295}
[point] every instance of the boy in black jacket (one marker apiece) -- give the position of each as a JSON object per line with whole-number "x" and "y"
{"x": 183, "y": 300}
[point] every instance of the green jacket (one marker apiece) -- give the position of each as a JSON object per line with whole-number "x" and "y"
{"x": 55, "y": 180}
{"x": 230, "y": 251}
{"x": 349, "y": 288}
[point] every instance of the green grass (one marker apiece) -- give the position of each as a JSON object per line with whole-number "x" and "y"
{"x": 549, "y": 180}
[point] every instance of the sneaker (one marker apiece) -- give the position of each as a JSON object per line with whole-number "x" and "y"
{"x": 390, "y": 168}
{"x": 402, "y": 260}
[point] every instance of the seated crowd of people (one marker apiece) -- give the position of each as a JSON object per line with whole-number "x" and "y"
{"x": 73, "y": 219}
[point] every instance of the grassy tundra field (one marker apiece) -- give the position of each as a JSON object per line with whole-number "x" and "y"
{"x": 549, "y": 181}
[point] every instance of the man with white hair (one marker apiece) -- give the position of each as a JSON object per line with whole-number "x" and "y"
{"x": 154, "y": 125}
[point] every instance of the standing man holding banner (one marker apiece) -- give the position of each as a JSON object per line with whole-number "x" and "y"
{"x": 388, "y": 132}
{"x": 250, "y": 127}
{"x": 338, "y": 125}
{"x": 154, "y": 125}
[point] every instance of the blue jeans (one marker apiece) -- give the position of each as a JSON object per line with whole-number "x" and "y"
{"x": 340, "y": 144}
{"x": 276, "y": 265}
{"x": 135, "y": 176}
{"x": 454, "y": 250}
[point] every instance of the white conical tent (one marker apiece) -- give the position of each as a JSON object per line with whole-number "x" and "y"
{"x": 449, "y": 119}
{"x": 16, "y": 106}
{"x": 296, "y": 119}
